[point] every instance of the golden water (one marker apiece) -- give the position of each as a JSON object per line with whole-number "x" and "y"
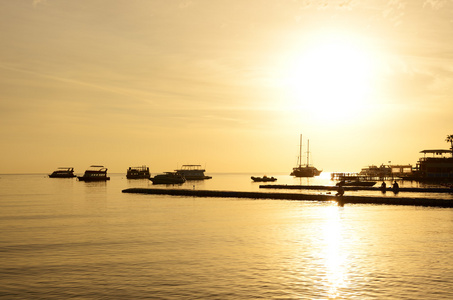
{"x": 62, "y": 239}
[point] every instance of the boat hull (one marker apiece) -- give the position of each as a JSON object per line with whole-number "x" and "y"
{"x": 71, "y": 175}
{"x": 138, "y": 175}
{"x": 89, "y": 178}
{"x": 169, "y": 178}
{"x": 263, "y": 179}
{"x": 166, "y": 181}
{"x": 142, "y": 176}
{"x": 358, "y": 183}
{"x": 197, "y": 177}
{"x": 305, "y": 172}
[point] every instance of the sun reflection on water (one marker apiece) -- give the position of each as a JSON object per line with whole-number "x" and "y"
{"x": 332, "y": 254}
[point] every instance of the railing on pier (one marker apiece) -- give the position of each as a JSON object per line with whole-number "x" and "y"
{"x": 374, "y": 173}
{"x": 362, "y": 177}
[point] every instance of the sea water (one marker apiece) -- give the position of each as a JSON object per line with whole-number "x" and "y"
{"x": 61, "y": 238}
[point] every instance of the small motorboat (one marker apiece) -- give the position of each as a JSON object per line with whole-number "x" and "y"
{"x": 168, "y": 178}
{"x": 95, "y": 173}
{"x": 356, "y": 183}
{"x": 63, "y": 173}
{"x": 138, "y": 173}
{"x": 193, "y": 172}
{"x": 263, "y": 179}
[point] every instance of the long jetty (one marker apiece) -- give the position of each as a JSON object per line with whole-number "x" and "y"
{"x": 356, "y": 188}
{"x": 296, "y": 196}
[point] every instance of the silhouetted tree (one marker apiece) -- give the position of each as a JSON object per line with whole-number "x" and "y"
{"x": 449, "y": 139}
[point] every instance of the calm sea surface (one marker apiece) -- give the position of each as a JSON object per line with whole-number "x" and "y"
{"x": 61, "y": 238}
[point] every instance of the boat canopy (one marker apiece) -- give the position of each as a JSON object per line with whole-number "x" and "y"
{"x": 97, "y": 168}
{"x": 191, "y": 167}
{"x": 141, "y": 168}
{"x": 436, "y": 151}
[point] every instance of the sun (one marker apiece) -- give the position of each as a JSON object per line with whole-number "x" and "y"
{"x": 330, "y": 78}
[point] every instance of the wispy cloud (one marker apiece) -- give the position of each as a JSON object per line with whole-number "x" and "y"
{"x": 328, "y": 4}
{"x": 436, "y": 4}
{"x": 185, "y": 4}
{"x": 108, "y": 88}
{"x": 38, "y": 2}
{"x": 395, "y": 11}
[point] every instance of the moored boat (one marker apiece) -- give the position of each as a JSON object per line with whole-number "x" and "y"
{"x": 95, "y": 173}
{"x": 305, "y": 170}
{"x": 138, "y": 173}
{"x": 356, "y": 183}
{"x": 353, "y": 179}
{"x": 63, "y": 173}
{"x": 373, "y": 171}
{"x": 192, "y": 172}
{"x": 263, "y": 179}
{"x": 168, "y": 178}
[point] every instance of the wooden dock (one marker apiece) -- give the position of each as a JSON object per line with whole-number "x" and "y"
{"x": 355, "y": 188}
{"x": 296, "y": 196}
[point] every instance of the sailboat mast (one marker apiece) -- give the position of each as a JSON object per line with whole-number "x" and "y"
{"x": 308, "y": 152}
{"x": 300, "y": 151}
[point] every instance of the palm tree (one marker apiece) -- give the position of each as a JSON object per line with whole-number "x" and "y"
{"x": 449, "y": 139}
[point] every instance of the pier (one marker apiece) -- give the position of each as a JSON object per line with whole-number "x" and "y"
{"x": 295, "y": 196}
{"x": 356, "y": 188}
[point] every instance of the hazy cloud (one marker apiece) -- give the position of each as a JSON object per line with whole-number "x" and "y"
{"x": 328, "y": 4}
{"x": 394, "y": 11}
{"x": 37, "y": 2}
{"x": 436, "y": 4}
{"x": 185, "y": 4}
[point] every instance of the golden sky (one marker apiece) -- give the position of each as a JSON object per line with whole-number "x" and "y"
{"x": 229, "y": 84}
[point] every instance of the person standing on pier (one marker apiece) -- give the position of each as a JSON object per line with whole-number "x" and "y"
{"x": 395, "y": 187}
{"x": 340, "y": 190}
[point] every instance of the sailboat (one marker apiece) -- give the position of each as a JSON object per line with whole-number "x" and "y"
{"x": 305, "y": 170}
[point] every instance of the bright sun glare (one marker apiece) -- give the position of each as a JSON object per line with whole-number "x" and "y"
{"x": 330, "y": 79}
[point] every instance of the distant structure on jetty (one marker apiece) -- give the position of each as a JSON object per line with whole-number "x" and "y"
{"x": 435, "y": 166}
{"x": 373, "y": 173}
